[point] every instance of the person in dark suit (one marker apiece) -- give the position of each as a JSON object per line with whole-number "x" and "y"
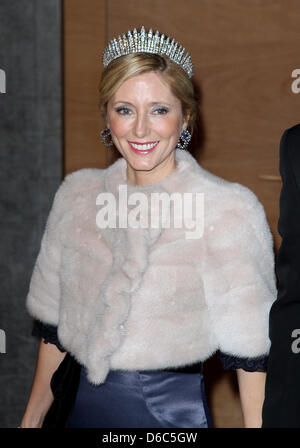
{"x": 282, "y": 394}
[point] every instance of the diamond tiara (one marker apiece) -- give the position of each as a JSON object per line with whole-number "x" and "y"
{"x": 143, "y": 42}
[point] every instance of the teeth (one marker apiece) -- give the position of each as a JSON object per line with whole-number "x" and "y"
{"x": 143, "y": 147}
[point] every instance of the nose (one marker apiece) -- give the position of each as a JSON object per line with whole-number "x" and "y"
{"x": 141, "y": 125}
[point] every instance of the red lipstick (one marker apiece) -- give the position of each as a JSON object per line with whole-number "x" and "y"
{"x": 142, "y": 151}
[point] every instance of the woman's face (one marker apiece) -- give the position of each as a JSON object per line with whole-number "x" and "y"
{"x": 145, "y": 120}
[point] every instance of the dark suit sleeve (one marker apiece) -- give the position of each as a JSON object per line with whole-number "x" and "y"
{"x": 282, "y": 399}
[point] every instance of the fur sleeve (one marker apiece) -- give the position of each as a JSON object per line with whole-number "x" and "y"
{"x": 42, "y": 301}
{"x": 240, "y": 282}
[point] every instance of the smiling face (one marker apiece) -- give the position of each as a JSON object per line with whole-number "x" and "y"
{"x": 145, "y": 119}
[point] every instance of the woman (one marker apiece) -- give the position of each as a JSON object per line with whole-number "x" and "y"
{"x": 140, "y": 306}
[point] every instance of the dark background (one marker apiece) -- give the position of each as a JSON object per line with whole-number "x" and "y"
{"x": 30, "y": 172}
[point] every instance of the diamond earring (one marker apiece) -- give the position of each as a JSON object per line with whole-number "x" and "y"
{"x": 186, "y": 137}
{"x": 104, "y": 134}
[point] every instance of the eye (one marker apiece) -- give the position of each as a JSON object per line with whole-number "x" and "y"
{"x": 161, "y": 110}
{"x": 123, "y": 110}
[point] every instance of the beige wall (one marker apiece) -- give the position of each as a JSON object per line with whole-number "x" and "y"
{"x": 244, "y": 52}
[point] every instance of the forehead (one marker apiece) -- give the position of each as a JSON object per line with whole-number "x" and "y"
{"x": 149, "y": 86}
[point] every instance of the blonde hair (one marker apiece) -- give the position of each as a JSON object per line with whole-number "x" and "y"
{"x": 125, "y": 67}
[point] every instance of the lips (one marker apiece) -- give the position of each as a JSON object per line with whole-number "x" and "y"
{"x": 143, "y": 148}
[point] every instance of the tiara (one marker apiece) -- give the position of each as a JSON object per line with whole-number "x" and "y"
{"x": 143, "y": 42}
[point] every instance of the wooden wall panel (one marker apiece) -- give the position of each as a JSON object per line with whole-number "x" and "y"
{"x": 244, "y": 52}
{"x": 84, "y": 40}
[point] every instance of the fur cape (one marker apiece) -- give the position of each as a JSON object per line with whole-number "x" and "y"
{"x": 151, "y": 298}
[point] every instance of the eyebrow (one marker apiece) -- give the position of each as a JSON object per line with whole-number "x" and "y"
{"x": 153, "y": 103}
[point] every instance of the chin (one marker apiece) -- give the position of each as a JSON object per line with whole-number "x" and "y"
{"x": 142, "y": 165}
{"x": 140, "y": 161}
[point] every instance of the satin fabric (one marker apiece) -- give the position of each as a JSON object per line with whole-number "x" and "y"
{"x": 141, "y": 399}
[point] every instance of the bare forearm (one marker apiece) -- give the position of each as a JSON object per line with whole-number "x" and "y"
{"x": 41, "y": 397}
{"x": 252, "y": 392}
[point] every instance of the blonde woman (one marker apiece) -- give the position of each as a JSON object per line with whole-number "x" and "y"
{"x": 138, "y": 307}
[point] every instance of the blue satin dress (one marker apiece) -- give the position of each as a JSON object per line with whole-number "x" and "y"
{"x": 141, "y": 399}
{"x": 145, "y": 399}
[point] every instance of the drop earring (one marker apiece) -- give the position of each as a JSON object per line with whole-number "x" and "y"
{"x": 104, "y": 134}
{"x": 186, "y": 138}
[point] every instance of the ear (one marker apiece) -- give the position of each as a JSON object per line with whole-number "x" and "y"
{"x": 107, "y": 118}
{"x": 186, "y": 122}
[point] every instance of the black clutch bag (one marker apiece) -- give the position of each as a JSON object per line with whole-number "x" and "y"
{"x": 64, "y": 385}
